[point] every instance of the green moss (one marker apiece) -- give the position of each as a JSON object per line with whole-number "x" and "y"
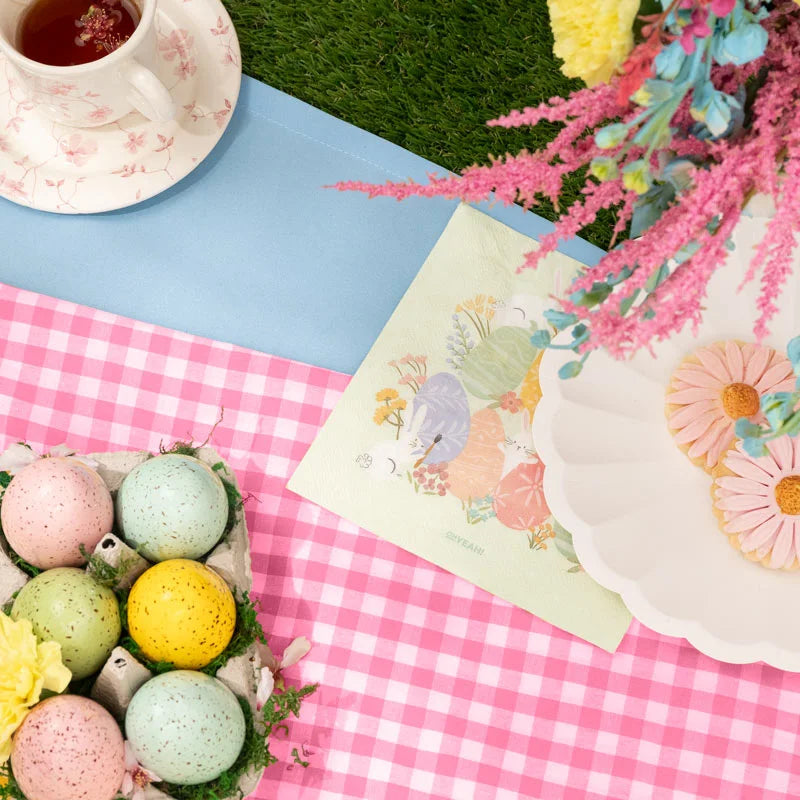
{"x": 247, "y": 632}
{"x": 235, "y": 500}
{"x": 180, "y": 449}
{"x": 255, "y": 753}
{"x": 424, "y": 74}
{"x": 297, "y": 759}
{"x": 103, "y": 572}
{"x": 281, "y": 705}
{"x": 20, "y": 562}
{"x": 9, "y": 788}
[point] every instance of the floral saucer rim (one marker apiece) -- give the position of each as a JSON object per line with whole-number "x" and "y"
{"x": 55, "y": 168}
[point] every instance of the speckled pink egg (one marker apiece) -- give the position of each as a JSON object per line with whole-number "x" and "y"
{"x": 69, "y": 748}
{"x": 54, "y": 506}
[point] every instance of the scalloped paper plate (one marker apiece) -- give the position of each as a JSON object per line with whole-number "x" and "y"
{"x": 640, "y": 511}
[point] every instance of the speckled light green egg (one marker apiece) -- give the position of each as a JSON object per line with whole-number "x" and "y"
{"x": 172, "y": 506}
{"x": 185, "y": 726}
{"x": 67, "y": 606}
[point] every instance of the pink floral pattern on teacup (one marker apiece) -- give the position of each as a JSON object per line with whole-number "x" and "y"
{"x": 78, "y": 149}
{"x": 135, "y": 142}
{"x": 177, "y": 46}
{"x": 59, "y": 89}
{"x": 100, "y": 114}
{"x": 11, "y": 188}
{"x": 58, "y": 168}
{"x": 228, "y": 42}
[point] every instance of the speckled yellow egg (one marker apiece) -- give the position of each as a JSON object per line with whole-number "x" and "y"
{"x": 69, "y": 748}
{"x": 67, "y": 606}
{"x": 52, "y": 507}
{"x": 182, "y": 612}
{"x": 172, "y": 506}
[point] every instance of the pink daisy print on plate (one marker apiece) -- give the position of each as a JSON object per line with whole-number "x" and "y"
{"x": 715, "y": 386}
{"x": 757, "y": 502}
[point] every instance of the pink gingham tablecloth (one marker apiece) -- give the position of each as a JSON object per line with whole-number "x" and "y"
{"x": 430, "y": 687}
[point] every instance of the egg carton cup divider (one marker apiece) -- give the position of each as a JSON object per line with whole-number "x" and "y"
{"x": 123, "y": 675}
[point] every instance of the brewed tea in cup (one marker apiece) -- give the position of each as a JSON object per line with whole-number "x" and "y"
{"x": 65, "y": 33}
{"x": 86, "y": 62}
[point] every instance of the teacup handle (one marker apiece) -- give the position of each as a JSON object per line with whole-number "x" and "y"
{"x": 147, "y": 94}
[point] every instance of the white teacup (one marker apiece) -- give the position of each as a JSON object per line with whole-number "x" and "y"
{"x": 103, "y": 91}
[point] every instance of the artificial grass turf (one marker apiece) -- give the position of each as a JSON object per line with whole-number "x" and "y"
{"x": 424, "y": 74}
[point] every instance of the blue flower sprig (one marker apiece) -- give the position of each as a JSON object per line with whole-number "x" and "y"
{"x": 780, "y": 409}
{"x": 736, "y": 38}
{"x": 600, "y": 291}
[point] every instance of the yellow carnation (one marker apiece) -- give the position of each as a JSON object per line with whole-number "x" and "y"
{"x": 26, "y": 669}
{"x": 398, "y": 404}
{"x": 592, "y": 37}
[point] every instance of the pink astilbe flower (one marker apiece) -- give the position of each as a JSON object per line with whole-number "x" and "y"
{"x": 763, "y": 157}
{"x": 776, "y": 249}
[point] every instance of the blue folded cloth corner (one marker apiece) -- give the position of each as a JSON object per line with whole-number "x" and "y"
{"x": 251, "y": 248}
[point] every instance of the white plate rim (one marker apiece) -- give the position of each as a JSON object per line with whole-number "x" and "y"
{"x": 597, "y": 566}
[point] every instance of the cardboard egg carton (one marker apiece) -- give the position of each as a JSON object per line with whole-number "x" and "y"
{"x": 122, "y": 674}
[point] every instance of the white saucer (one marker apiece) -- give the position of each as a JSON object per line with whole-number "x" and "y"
{"x": 52, "y": 167}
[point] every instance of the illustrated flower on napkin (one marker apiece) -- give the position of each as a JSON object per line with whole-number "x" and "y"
{"x": 298, "y": 649}
{"x": 136, "y": 778}
{"x": 27, "y": 668}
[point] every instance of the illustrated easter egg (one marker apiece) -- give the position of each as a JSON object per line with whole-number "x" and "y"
{"x": 499, "y": 363}
{"x": 67, "y": 606}
{"x": 519, "y": 498}
{"x": 51, "y": 508}
{"x": 440, "y": 417}
{"x": 172, "y": 506}
{"x": 182, "y": 612}
{"x": 68, "y": 748}
{"x": 185, "y": 726}
{"x": 531, "y": 392}
{"x": 477, "y": 469}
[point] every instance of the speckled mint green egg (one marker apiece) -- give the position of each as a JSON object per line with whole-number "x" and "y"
{"x": 185, "y": 726}
{"x": 172, "y": 506}
{"x": 67, "y": 606}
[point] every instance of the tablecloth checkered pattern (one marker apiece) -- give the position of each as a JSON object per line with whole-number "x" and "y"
{"x": 430, "y": 687}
